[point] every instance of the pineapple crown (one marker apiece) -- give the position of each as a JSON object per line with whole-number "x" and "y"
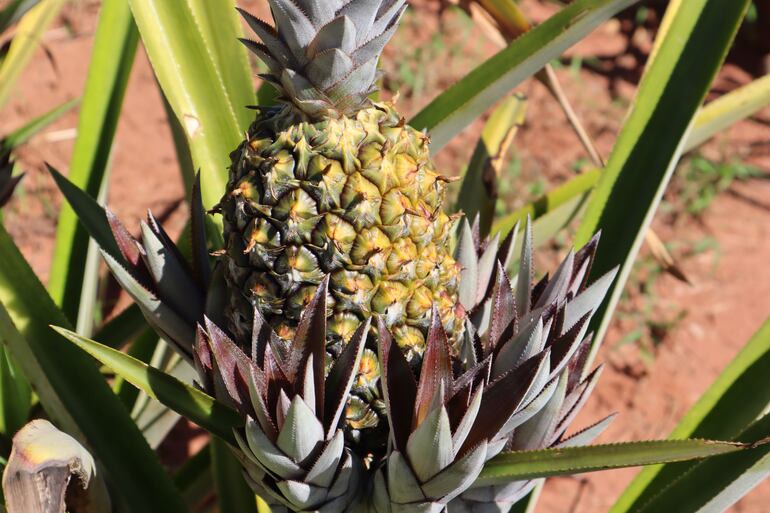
{"x": 322, "y": 55}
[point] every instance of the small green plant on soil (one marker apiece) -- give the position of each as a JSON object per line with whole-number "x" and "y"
{"x": 701, "y": 180}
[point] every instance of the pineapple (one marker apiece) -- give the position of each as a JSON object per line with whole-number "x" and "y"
{"x": 332, "y": 183}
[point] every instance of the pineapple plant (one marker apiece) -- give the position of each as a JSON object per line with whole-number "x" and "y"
{"x": 376, "y": 367}
{"x": 374, "y": 361}
{"x": 352, "y": 347}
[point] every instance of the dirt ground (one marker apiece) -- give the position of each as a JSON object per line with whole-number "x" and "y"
{"x": 730, "y": 293}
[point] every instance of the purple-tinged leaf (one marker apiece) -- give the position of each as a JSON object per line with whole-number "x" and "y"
{"x": 585, "y": 258}
{"x": 307, "y": 388}
{"x": 277, "y": 382}
{"x": 455, "y": 479}
{"x": 557, "y": 287}
{"x": 505, "y": 253}
{"x": 462, "y": 427}
{"x": 310, "y": 338}
{"x": 171, "y": 273}
{"x": 341, "y": 377}
{"x": 429, "y": 447}
{"x": 577, "y": 364}
{"x": 518, "y": 348}
{"x": 486, "y": 268}
{"x": 436, "y": 369}
{"x": 501, "y": 399}
{"x": 399, "y": 387}
{"x": 476, "y": 375}
{"x": 203, "y": 360}
{"x": 90, "y": 213}
{"x": 282, "y": 409}
{"x": 258, "y": 393}
{"x": 470, "y": 345}
{"x": 502, "y": 325}
{"x": 174, "y": 329}
{"x": 403, "y": 487}
{"x": 262, "y": 335}
{"x": 324, "y": 469}
{"x": 301, "y": 434}
{"x": 167, "y": 243}
{"x": 539, "y": 288}
{"x": 530, "y": 408}
{"x": 233, "y": 365}
{"x": 129, "y": 249}
{"x": 563, "y": 347}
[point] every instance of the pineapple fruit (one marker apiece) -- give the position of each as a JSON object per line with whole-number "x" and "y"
{"x": 332, "y": 183}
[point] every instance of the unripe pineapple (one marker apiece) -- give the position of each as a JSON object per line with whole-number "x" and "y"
{"x": 330, "y": 182}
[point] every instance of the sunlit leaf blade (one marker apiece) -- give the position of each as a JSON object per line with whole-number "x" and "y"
{"x": 111, "y": 62}
{"x": 220, "y": 27}
{"x": 186, "y": 400}
{"x": 478, "y": 192}
{"x": 142, "y": 348}
{"x": 714, "y": 486}
{"x": 729, "y": 109}
{"x": 32, "y": 128}
{"x": 650, "y": 144}
{"x": 737, "y": 397}
{"x": 233, "y": 494}
{"x": 457, "y": 107}
{"x": 156, "y": 419}
{"x": 72, "y": 390}
{"x": 29, "y": 31}
{"x": 180, "y": 50}
{"x": 514, "y": 466}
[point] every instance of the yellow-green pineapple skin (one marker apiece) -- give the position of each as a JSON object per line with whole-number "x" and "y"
{"x": 357, "y": 198}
